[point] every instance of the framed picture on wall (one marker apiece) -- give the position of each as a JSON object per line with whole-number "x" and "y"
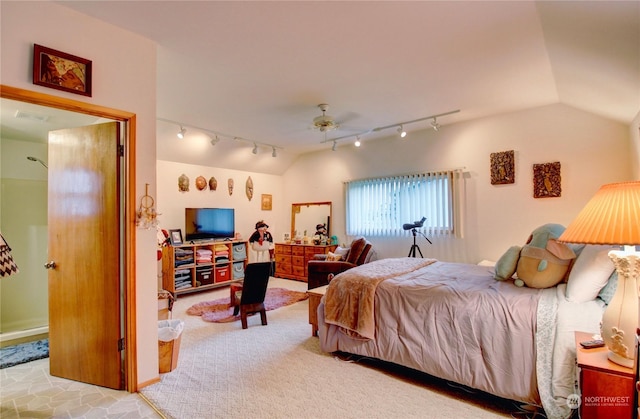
{"x": 62, "y": 71}
{"x": 175, "y": 236}
{"x": 266, "y": 202}
{"x": 547, "y": 180}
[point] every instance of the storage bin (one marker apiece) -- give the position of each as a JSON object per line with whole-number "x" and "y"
{"x": 222, "y": 273}
{"x": 238, "y": 270}
{"x": 204, "y": 274}
{"x": 239, "y": 251}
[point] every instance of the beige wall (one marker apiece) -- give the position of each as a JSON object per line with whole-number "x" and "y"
{"x": 592, "y": 151}
{"x": 124, "y": 78}
{"x": 172, "y": 202}
{"x": 635, "y": 147}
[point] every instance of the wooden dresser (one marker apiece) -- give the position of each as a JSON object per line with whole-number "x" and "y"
{"x": 291, "y": 259}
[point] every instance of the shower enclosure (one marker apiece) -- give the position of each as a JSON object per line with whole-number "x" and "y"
{"x": 23, "y": 221}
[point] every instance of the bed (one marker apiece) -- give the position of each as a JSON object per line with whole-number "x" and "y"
{"x": 456, "y": 322}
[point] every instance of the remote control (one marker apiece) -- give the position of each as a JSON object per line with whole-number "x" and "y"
{"x": 589, "y": 344}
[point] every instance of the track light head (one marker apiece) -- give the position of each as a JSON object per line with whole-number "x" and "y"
{"x": 333, "y": 147}
{"x": 255, "y": 148}
{"x": 182, "y": 132}
{"x": 402, "y": 132}
{"x": 274, "y": 153}
{"x": 214, "y": 140}
{"x": 357, "y": 143}
{"x": 435, "y": 125}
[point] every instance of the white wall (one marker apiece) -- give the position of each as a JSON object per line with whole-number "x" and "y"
{"x": 124, "y": 78}
{"x": 172, "y": 202}
{"x": 635, "y": 146}
{"x": 592, "y": 151}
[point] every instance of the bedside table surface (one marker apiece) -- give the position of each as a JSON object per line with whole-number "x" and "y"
{"x": 596, "y": 358}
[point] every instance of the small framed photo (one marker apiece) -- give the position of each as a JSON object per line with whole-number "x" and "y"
{"x": 62, "y": 71}
{"x": 175, "y": 236}
{"x": 266, "y": 202}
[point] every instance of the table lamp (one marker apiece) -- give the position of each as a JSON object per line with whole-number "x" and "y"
{"x": 612, "y": 217}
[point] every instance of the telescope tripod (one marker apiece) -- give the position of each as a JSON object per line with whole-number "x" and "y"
{"x": 414, "y": 246}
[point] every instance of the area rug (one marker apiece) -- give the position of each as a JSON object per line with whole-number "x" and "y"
{"x": 24, "y": 352}
{"x": 218, "y": 311}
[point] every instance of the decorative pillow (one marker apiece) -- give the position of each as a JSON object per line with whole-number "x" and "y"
{"x": 342, "y": 251}
{"x": 333, "y": 257}
{"x": 606, "y": 293}
{"x": 589, "y": 274}
{"x": 507, "y": 264}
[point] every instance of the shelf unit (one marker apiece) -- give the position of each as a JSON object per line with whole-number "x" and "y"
{"x": 291, "y": 259}
{"x": 202, "y": 266}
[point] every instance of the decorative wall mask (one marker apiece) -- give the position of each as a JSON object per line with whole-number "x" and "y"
{"x": 230, "y": 185}
{"x": 213, "y": 184}
{"x": 249, "y": 188}
{"x": 183, "y": 183}
{"x": 502, "y": 168}
{"x": 547, "y": 180}
{"x": 201, "y": 183}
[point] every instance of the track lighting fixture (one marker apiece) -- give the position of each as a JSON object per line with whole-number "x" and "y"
{"x": 181, "y": 132}
{"x": 333, "y": 147}
{"x": 402, "y": 132}
{"x": 216, "y": 136}
{"x": 398, "y": 125}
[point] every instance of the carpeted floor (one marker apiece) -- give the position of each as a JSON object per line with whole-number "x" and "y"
{"x": 279, "y": 371}
{"x": 24, "y": 352}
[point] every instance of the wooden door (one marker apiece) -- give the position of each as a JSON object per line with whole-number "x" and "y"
{"x": 84, "y": 242}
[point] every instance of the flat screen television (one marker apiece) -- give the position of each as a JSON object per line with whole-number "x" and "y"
{"x": 209, "y": 223}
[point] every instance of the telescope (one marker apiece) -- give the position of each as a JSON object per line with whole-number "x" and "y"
{"x": 415, "y": 224}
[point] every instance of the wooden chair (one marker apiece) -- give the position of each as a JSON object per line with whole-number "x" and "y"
{"x": 250, "y": 299}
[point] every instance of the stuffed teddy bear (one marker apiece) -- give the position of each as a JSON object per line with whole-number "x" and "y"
{"x": 541, "y": 263}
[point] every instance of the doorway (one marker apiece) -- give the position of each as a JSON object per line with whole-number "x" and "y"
{"x": 128, "y": 231}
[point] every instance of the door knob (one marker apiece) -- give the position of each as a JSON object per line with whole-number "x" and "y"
{"x": 50, "y": 265}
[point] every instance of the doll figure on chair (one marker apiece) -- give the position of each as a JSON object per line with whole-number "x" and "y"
{"x": 261, "y": 241}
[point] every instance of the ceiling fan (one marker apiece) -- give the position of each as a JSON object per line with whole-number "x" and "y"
{"x": 324, "y": 122}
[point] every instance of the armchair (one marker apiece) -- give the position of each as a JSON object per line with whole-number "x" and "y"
{"x": 319, "y": 269}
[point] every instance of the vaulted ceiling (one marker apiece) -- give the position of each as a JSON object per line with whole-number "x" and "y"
{"x": 259, "y": 70}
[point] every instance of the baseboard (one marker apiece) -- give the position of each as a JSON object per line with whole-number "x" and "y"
{"x": 23, "y": 336}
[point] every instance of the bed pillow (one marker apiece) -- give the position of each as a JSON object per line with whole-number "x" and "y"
{"x": 589, "y": 274}
{"x": 606, "y": 293}
{"x": 507, "y": 264}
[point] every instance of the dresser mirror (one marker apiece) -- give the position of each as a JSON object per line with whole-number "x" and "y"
{"x": 305, "y": 216}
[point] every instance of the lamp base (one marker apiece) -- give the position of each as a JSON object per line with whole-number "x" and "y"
{"x": 625, "y": 362}
{"x": 620, "y": 318}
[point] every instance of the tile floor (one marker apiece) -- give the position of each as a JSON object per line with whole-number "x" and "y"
{"x": 28, "y": 391}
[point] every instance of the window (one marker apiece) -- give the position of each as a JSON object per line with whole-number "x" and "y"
{"x": 379, "y": 207}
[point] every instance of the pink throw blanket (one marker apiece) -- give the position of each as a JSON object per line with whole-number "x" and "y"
{"x": 350, "y": 295}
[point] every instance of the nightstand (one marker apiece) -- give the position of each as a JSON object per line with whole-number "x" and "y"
{"x": 315, "y": 295}
{"x": 607, "y": 388}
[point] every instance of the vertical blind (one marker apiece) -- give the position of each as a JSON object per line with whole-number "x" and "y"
{"x": 380, "y": 206}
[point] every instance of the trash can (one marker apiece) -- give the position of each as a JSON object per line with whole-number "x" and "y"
{"x": 169, "y": 334}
